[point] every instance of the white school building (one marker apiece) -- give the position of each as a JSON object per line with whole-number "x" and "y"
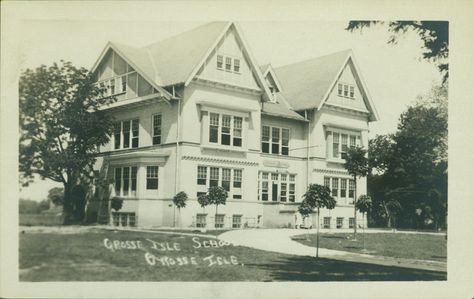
{"x": 197, "y": 110}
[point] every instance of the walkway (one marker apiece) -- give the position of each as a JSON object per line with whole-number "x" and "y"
{"x": 279, "y": 240}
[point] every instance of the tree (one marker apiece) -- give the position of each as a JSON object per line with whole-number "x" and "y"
{"x": 316, "y": 197}
{"x": 203, "y": 200}
{"x": 61, "y": 127}
{"x": 116, "y": 203}
{"x": 179, "y": 201}
{"x": 56, "y": 195}
{"x": 217, "y": 196}
{"x": 434, "y": 34}
{"x": 363, "y": 205}
{"x": 357, "y": 165}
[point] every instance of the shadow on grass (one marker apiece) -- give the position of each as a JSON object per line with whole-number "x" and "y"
{"x": 333, "y": 237}
{"x": 323, "y": 269}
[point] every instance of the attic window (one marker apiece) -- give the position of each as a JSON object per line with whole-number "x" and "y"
{"x": 228, "y": 63}
{"x": 345, "y": 90}
{"x": 220, "y": 61}
{"x": 237, "y": 65}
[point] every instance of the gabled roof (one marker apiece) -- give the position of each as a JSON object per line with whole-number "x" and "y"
{"x": 306, "y": 83}
{"x": 268, "y": 69}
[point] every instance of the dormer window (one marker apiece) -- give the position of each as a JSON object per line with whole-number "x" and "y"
{"x": 345, "y": 90}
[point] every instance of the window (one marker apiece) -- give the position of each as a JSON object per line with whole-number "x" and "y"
{"x": 220, "y": 61}
{"x": 236, "y": 65}
{"x": 338, "y": 187}
{"x": 327, "y": 222}
{"x": 214, "y": 127}
{"x": 126, "y": 134}
{"x": 351, "y": 222}
{"x": 237, "y": 140}
{"x": 345, "y": 90}
{"x": 226, "y": 179}
{"x": 219, "y": 221}
{"x": 225, "y": 131}
{"x": 339, "y": 221}
{"x": 214, "y": 179}
{"x": 152, "y": 177}
{"x": 280, "y": 138}
{"x": 124, "y": 83}
{"x": 343, "y": 188}
{"x": 351, "y": 189}
{"x": 201, "y": 220}
{"x": 228, "y": 63}
{"x": 123, "y": 219}
{"x": 126, "y": 181}
{"x": 335, "y": 184}
{"x": 266, "y": 139}
{"x": 157, "y": 129}
{"x": 277, "y": 186}
{"x": 230, "y": 128}
{"x": 237, "y": 178}
{"x": 236, "y": 221}
{"x": 275, "y": 140}
{"x": 341, "y": 141}
{"x": 202, "y": 175}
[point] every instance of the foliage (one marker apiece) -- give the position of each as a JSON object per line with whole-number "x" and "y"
{"x": 179, "y": 199}
{"x": 61, "y": 126}
{"x": 56, "y": 195}
{"x": 28, "y": 206}
{"x": 203, "y": 200}
{"x": 316, "y": 197}
{"x": 411, "y": 185}
{"x": 217, "y": 195}
{"x": 116, "y": 203}
{"x": 434, "y": 34}
{"x": 364, "y": 203}
{"x": 304, "y": 209}
{"x": 357, "y": 164}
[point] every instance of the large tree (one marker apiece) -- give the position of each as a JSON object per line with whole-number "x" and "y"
{"x": 61, "y": 128}
{"x": 434, "y": 34}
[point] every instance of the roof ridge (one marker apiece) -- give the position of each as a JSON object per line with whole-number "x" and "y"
{"x": 314, "y": 58}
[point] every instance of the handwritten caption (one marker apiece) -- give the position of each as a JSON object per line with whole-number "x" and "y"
{"x": 169, "y": 254}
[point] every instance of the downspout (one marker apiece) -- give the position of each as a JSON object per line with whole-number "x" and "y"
{"x": 307, "y": 148}
{"x": 178, "y": 129}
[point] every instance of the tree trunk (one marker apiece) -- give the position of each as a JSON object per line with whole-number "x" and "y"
{"x": 68, "y": 208}
{"x": 317, "y": 237}
{"x": 355, "y": 210}
{"x": 215, "y": 218}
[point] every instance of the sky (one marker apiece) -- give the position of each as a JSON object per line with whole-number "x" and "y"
{"x": 394, "y": 74}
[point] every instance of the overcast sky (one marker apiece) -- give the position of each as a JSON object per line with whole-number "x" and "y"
{"x": 394, "y": 75}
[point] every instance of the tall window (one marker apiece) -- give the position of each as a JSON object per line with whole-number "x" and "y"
{"x": 152, "y": 177}
{"x": 214, "y": 178}
{"x": 126, "y": 134}
{"x": 335, "y": 145}
{"x": 335, "y": 187}
{"x": 126, "y": 181}
{"x": 157, "y": 129}
{"x": 225, "y": 129}
{"x": 343, "y": 187}
{"x": 343, "y": 146}
{"x": 237, "y": 184}
{"x": 226, "y": 179}
{"x": 202, "y": 175}
{"x": 279, "y": 139}
{"x": 291, "y": 196}
{"x": 214, "y": 127}
{"x": 351, "y": 189}
{"x": 228, "y": 63}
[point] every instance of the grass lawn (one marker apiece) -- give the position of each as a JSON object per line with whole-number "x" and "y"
{"x": 44, "y": 219}
{"x": 92, "y": 256}
{"x": 412, "y": 246}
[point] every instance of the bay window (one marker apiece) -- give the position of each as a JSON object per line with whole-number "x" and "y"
{"x": 339, "y": 142}
{"x": 125, "y": 181}
{"x": 225, "y": 129}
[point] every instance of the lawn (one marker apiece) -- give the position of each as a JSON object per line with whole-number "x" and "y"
{"x": 43, "y": 219}
{"x": 99, "y": 255}
{"x": 401, "y": 245}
